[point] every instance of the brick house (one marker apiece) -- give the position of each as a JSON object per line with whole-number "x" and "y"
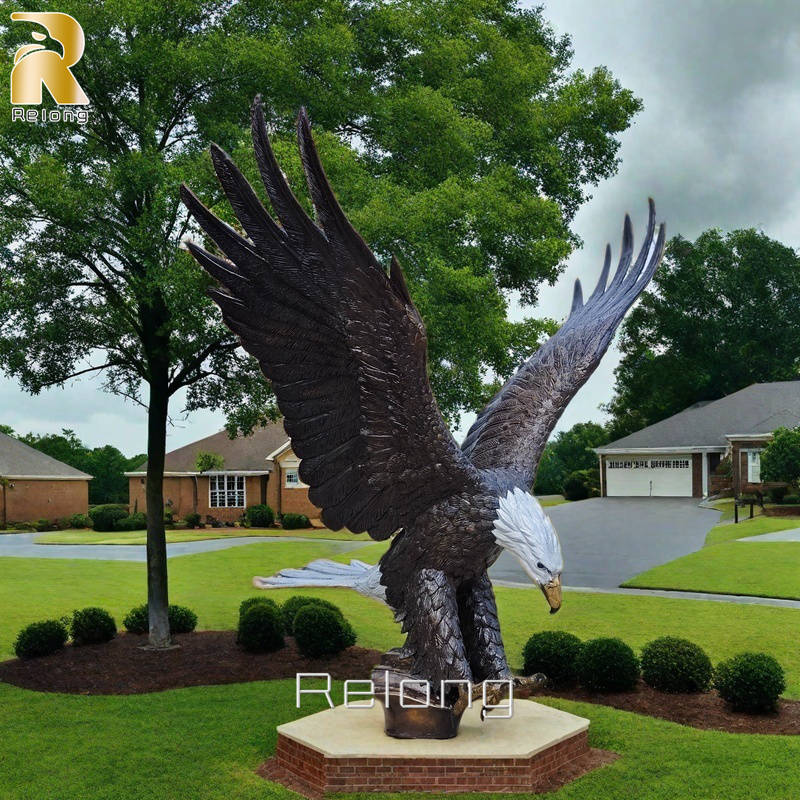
{"x": 709, "y": 448}
{"x": 261, "y": 468}
{"x": 35, "y": 486}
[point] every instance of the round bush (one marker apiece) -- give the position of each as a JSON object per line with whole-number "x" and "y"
{"x": 40, "y": 639}
{"x": 80, "y": 521}
{"x": 750, "y": 681}
{"x": 671, "y": 664}
{"x": 181, "y": 619}
{"x": 92, "y": 626}
{"x": 553, "y": 653}
{"x": 260, "y": 516}
{"x": 294, "y": 521}
{"x": 261, "y": 629}
{"x": 245, "y": 605}
{"x": 192, "y": 519}
{"x": 319, "y": 631}
{"x": 135, "y": 522}
{"x": 607, "y": 665}
{"x": 290, "y": 608}
{"x": 137, "y": 620}
{"x": 105, "y": 517}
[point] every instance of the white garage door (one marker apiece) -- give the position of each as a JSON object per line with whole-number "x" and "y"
{"x": 653, "y": 476}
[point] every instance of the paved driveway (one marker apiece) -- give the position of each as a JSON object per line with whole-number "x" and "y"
{"x": 607, "y": 540}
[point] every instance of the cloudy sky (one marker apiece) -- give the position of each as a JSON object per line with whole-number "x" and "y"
{"x": 717, "y": 145}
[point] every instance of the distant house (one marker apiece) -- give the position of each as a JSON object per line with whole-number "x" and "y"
{"x": 261, "y": 468}
{"x": 35, "y": 486}
{"x": 681, "y": 456}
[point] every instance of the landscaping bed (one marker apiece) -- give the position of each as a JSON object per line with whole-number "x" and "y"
{"x": 705, "y": 710}
{"x": 122, "y": 666}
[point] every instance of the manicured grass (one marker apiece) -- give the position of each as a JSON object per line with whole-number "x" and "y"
{"x": 73, "y": 536}
{"x": 206, "y": 743}
{"x": 546, "y": 500}
{"x": 750, "y": 527}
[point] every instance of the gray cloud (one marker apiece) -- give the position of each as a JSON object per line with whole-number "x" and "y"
{"x": 716, "y": 146}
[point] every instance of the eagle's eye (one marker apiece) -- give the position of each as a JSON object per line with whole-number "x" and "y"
{"x": 540, "y": 565}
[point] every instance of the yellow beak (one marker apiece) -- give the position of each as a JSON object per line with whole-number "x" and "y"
{"x": 552, "y": 592}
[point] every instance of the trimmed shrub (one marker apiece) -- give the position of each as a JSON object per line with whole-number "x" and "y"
{"x": 555, "y": 654}
{"x": 581, "y": 484}
{"x": 261, "y": 629}
{"x": 791, "y": 500}
{"x": 294, "y": 521}
{"x": 43, "y": 525}
{"x": 320, "y": 631}
{"x": 260, "y": 516}
{"x": 105, "y": 517}
{"x": 80, "y": 521}
{"x": 40, "y": 639}
{"x": 192, "y": 519}
{"x": 607, "y": 665}
{"x": 137, "y": 620}
{"x": 22, "y": 526}
{"x": 750, "y": 681}
{"x": 290, "y": 608}
{"x": 245, "y": 605}
{"x": 181, "y": 619}
{"x": 671, "y": 664}
{"x": 92, "y": 626}
{"x": 135, "y": 522}
{"x": 777, "y": 493}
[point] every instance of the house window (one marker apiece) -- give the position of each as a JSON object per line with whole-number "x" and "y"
{"x": 754, "y": 466}
{"x": 292, "y": 479}
{"x": 226, "y": 491}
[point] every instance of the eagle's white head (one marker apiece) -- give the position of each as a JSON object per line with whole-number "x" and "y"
{"x": 522, "y": 528}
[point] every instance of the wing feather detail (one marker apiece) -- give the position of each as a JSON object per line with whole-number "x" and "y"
{"x": 340, "y": 339}
{"x": 511, "y": 432}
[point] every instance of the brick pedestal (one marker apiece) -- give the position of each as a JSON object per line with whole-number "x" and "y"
{"x": 345, "y": 750}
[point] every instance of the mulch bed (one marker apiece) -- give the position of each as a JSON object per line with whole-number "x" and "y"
{"x": 203, "y": 658}
{"x": 708, "y": 711}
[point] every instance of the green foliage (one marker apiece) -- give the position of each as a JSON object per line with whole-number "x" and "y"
{"x": 42, "y": 525}
{"x": 247, "y": 604}
{"x": 40, "y": 639}
{"x": 295, "y": 521}
{"x": 261, "y": 629}
{"x": 134, "y": 522}
{"x": 776, "y": 494}
{"x": 207, "y": 461}
{"x": 582, "y": 484}
{"x": 92, "y": 625}
{"x": 80, "y": 521}
{"x": 181, "y": 619}
{"x": 780, "y": 458}
{"x": 750, "y": 681}
{"x": 136, "y": 620}
{"x": 699, "y": 332}
{"x": 260, "y": 516}
{"x": 569, "y": 451}
{"x": 554, "y": 653}
{"x": 294, "y": 603}
{"x": 321, "y": 631}
{"x": 192, "y": 519}
{"x": 105, "y": 517}
{"x": 671, "y": 664}
{"x": 607, "y": 665}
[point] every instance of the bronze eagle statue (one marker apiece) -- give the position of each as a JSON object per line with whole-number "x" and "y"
{"x": 345, "y": 348}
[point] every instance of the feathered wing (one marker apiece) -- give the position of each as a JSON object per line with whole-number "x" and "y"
{"x": 511, "y": 432}
{"x": 339, "y": 338}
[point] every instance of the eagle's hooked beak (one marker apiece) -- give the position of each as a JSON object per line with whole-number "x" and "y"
{"x": 552, "y": 592}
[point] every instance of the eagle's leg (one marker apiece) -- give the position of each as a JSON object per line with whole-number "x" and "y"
{"x": 434, "y": 633}
{"x": 481, "y": 630}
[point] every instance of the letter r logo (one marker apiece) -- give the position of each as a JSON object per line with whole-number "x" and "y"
{"x": 35, "y": 65}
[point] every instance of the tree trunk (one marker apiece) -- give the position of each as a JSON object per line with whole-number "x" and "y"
{"x": 157, "y": 587}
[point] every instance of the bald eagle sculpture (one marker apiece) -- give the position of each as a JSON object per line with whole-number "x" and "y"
{"x": 346, "y": 352}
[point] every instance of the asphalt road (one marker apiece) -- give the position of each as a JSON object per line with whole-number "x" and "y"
{"x": 608, "y": 540}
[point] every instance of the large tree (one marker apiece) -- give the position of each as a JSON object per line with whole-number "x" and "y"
{"x": 567, "y": 452}
{"x": 453, "y": 132}
{"x": 721, "y": 314}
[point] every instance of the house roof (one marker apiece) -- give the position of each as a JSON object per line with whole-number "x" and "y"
{"x": 243, "y": 454}
{"x": 19, "y": 460}
{"x": 757, "y": 409}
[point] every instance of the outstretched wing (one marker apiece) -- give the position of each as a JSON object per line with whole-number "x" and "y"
{"x": 511, "y": 432}
{"x": 341, "y": 341}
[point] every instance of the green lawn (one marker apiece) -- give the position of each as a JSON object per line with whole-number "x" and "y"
{"x": 74, "y": 536}
{"x": 727, "y": 566}
{"x": 546, "y": 500}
